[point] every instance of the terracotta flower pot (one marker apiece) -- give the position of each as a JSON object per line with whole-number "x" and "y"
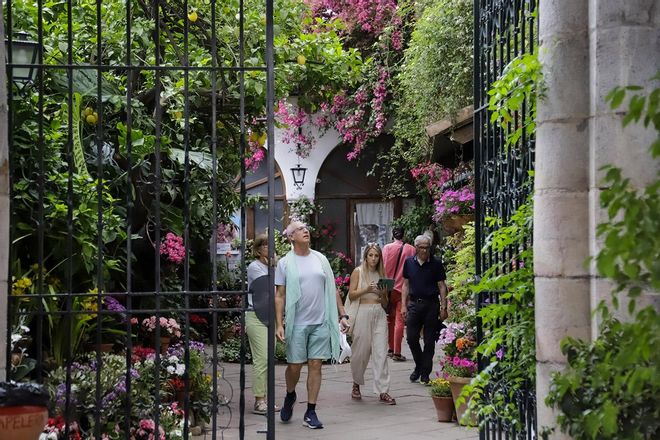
{"x": 22, "y": 422}
{"x": 164, "y": 343}
{"x": 23, "y": 410}
{"x": 444, "y": 407}
{"x": 105, "y": 348}
{"x": 454, "y": 223}
{"x": 457, "y": 384}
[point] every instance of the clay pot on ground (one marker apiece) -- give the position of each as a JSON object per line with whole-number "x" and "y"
{"x": 457, "y": 384}
{"x": 444, "y": 407}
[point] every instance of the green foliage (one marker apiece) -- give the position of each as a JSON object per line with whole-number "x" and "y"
{"x": 434, "y": 82}
{"x": 460, "y": 276}
{"x": 611, "y": 387}
{"x": 640, "y": 107}
{"x": 518, "y": 88}
{"x": 92, "y": 156}
{"x": 230, "y": 350}
{"x": 415, "y": 220}
{"x": 303, "y": 209}
{"x": 509, "y": 342}
{"x": 436, "y": 75}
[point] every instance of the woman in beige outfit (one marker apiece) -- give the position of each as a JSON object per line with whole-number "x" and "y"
{"x": 370, "y": 325}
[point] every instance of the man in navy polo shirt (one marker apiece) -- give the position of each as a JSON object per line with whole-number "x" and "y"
{"x": 425, "y": 293}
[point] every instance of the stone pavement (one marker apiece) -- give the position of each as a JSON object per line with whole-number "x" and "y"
{"x": 412, "y": 418}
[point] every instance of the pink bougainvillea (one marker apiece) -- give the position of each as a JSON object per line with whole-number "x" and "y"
{"x": 447, "y": 200}
{"x": 297, "y": 124}
{"x": 363, "y": 17}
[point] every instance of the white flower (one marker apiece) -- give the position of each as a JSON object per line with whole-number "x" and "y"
{"x": 180, "y": 369}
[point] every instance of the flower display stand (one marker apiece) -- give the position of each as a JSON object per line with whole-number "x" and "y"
{"x": 444, "y": 407}
{"x": 457, "y": 384}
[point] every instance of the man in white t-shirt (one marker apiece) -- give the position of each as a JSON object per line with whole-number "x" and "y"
{"x": 306, "y": 287}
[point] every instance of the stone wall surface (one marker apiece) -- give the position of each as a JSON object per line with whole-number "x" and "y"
{"x": 587, "y": 48}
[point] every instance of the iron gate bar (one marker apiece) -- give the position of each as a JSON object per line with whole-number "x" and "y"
{"x": 270, "y": 124}
{"x": 503, "y": 30}
{"x": 214, "y": 256}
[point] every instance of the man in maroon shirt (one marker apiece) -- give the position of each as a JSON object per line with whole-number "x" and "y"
{"x": 394, "y": 254}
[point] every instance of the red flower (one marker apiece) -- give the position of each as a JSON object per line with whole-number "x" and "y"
{"x": 197, "y": 319}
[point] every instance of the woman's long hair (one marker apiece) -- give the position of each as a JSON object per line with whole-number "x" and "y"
{"x": 364, "y": 268}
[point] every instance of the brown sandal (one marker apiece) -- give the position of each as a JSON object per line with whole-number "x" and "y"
{"x": 355, "y": 393}
{"x": 387, "y": 399}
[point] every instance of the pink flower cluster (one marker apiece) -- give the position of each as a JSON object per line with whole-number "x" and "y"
{"x": 255, "y": 155}
{"x": 345, "y": 257}
{"x": 172, "y": 248}
{"x": 341, "y": 281}
{"x": 433, "y": 174}
{"x": 296, "y": 123}
{"x": 371, "y": 17}
{"x": 460, "y": 201}
{"x": 168, "y": 324}
{"x": 448, "y": 334}
{"x": 363, "y": 116}
{"x": 463, "y": 363}
{"x": 146, "y": 431}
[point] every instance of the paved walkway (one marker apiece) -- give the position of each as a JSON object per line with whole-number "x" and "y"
{"x": 412, "y": 418}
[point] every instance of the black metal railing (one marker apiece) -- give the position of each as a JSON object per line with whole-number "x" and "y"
{"x": 127, "y": 176}
{"x": 504, "y": 30}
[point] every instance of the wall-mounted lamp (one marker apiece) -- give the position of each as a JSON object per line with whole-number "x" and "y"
{"x": 24, "y": 53}
{"x": 298, "y": 176}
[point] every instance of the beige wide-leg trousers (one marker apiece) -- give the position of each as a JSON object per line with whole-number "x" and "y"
{"x": 370, "y": 340}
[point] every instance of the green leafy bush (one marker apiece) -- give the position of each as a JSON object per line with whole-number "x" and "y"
{"x": 508, "y": 323}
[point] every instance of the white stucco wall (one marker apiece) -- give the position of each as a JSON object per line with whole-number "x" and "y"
{"x": 286, "y": 158}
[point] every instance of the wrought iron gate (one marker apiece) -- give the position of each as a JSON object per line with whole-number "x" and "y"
{"x": 127, "y": 150}
{"x": 504, "y": 30}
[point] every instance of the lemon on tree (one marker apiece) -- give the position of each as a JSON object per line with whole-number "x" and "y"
{"x": 301, "y": 60}
{"x": 192, "y": 16}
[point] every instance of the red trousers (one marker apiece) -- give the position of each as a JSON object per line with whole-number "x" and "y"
{"x": 395, "y": 323}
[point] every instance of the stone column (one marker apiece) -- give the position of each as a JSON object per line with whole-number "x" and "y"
{"x": 4, "y": 203}
{"x": 625, "y": 50}
{"x": 561, "y": 201}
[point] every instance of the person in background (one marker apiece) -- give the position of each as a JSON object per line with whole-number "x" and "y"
{"x": 256, "y": 330}
{"x": 306, "y": 290}
{"x": 370, "y": 325}
{"x": 425, "y": 294}
{"x": 394, "y": 254}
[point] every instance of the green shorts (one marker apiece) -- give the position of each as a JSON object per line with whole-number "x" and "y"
{"x": 308, "y": 342}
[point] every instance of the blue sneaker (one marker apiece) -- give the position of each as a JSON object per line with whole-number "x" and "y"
{"x": 287, "y": 408}
{"x": 311, "y": 421}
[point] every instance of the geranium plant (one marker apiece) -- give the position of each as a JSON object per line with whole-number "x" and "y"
{"x": 458, "y": 342}
{"x": 168, "y": 326}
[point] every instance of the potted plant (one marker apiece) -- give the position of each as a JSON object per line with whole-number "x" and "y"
{"x": 23, "y": 410}
{"x": 458, "y": 366}
{"x": 169, "y": 329}
{"x": 441, "y": 395}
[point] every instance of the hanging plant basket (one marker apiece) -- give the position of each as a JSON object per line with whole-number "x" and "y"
{"x": 454, "y": 223}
